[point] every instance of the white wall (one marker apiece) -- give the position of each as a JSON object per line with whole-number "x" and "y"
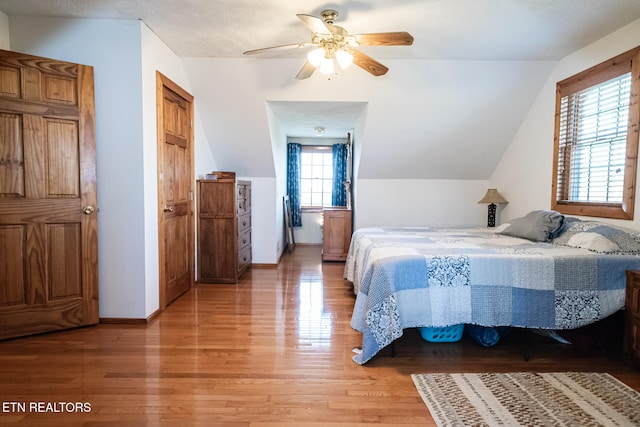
{"x": 4, "y": 32}
{"x": 156, "y": 56}
{"x": 414, "y": 202}
{"x": 311, "y": 230}
{"x": 400, "y": 107}
{"x": 272, "y": 248}
{"x": 424, "y": 119}
{"x": 125, "y": 55}
{"x": 524, "y": 173}
{"x": 264, "y": 235}
{"x": 112, "y": 47}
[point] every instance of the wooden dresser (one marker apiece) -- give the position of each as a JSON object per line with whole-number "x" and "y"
{"x": 224, "y": 230}
{"x": 632, "y": 320}
{"x": 336, "y": 233}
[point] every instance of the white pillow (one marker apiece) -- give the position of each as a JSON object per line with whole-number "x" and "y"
{"x": 593, "y": 241}
{"x": 501, "y": 227}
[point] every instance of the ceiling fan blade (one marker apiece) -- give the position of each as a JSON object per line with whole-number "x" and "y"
{"x": 337, "y": 31}
{"x": 281, "y": 47}
{"x": 306, "y": 71}
{"x": 315, "y": 24}
{"x": 398, "y": 38}
{"x": 367, "y": 63}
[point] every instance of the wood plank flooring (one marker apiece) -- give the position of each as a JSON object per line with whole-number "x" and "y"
{"x": 273, "y": 350}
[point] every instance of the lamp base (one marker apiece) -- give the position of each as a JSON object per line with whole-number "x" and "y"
{"x": 491, "y": 220}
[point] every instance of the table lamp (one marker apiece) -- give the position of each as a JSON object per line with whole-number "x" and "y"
{"x": 493, "y": 198}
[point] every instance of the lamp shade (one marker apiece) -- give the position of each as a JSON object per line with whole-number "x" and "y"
{"x": 344, "y": 58}
{"x": 316, "y": 56}
{"x": 326, "y": 66}
{"x": 494, "y": 197}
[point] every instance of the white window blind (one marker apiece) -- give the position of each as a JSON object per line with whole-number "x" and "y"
{"x": 592, "y": 142}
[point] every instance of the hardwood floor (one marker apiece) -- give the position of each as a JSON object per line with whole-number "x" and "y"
{"x": 275, "y": 349}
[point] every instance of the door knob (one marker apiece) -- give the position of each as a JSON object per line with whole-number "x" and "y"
{"x": 168, "y": 209}
{"x": 88, "y": 210}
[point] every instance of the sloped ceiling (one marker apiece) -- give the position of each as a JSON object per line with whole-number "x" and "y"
{"x": 447, "y": 109}
{"x": 443, "y": 29}
{"x": 302, "y": 117}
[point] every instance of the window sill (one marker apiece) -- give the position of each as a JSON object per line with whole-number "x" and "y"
{"x": 614, "y": 210}
{"x": 314, "y": 209}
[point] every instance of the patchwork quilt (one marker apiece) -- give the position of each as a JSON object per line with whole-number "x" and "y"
{"x": 410, "y": 277}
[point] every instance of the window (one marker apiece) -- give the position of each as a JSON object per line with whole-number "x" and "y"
{"x": 316, "y": 176}
{"x": 596, "y": 139}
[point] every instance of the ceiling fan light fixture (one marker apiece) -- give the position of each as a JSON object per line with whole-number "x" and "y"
{"x": 316, "y": 56}
{"x": 344, "y": 58}
{"x": 326, "y": 67}
{"x": 331, "y": 43}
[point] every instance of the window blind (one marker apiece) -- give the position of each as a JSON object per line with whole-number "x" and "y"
{"x": 592, "y": 142}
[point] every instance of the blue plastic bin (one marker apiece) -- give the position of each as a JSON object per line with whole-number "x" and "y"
{"x": 451, "y": 333}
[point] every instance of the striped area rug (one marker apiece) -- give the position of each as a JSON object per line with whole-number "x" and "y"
{"x": 529, "y": 399}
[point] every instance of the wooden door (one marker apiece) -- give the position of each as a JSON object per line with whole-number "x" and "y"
{"x": 175, "y": 189}
{"x": 48, "y": 220}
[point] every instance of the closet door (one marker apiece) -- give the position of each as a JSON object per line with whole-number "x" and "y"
{"x": 48, "y": 213}
{"x": 175, "y": 189}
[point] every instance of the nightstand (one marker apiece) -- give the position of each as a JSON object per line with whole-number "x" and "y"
{"x": 336, "y": 235}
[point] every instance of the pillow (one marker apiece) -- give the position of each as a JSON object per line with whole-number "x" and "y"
{"x": 539, "y": 226}
{"x": 592, "y": 241}
{"x": 598, "y": 237}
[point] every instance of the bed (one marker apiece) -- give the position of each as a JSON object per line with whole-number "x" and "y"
{"x": 573, "y": 275}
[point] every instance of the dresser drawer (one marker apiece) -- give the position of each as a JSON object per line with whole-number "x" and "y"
{"x": 242, "y": 207}
{"x": 243, "y": 196}
{"x": 244, "y": 238}
{"x": 244, "y": 257}
{"x": 244, "y": 223}
{"x": 242, "y": 191}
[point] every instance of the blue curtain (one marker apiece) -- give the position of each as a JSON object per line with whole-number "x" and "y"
{"x": 340, "y": 158}
{"x": 294, "y": 163}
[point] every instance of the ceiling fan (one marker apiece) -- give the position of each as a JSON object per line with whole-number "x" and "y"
{"x": 334, "y": 44}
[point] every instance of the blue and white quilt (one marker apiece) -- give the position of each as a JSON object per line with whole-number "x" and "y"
{"x": 410, "y": 277}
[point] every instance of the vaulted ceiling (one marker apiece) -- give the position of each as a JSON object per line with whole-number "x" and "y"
{"x": 443, "y": 29}
{"x": 461, "y": 90}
